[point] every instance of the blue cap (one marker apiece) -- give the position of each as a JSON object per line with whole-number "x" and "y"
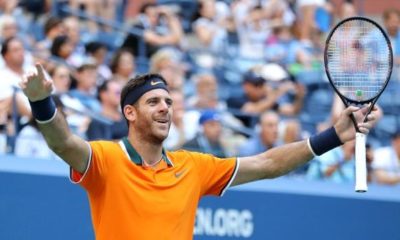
{"x": 209, "y": 115}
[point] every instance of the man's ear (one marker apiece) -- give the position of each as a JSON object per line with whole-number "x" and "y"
{"x": 130, "y": 113}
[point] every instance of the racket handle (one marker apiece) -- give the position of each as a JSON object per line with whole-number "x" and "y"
{"x": 361, "y": 163}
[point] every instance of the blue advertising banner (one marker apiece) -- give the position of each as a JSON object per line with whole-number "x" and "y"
{"x": 37, "y": 201}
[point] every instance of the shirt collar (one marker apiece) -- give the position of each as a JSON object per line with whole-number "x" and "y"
{"x": 136, "y": 158}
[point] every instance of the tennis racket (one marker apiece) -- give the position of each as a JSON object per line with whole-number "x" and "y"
{"x": 358, "y": 62}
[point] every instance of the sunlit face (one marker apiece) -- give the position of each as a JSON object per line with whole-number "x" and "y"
{"x": 61, "y": 79}
{"x": 113, "y": 93}
{"x": 126, "y": 65}
{"x": 269, "y": 128}
{"x": 212, "y": 130}
{"x": 15, "y": 53}
{"x": 152, "y": 116}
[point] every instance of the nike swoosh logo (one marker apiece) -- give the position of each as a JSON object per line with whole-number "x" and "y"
{"x": 179, "y": 174}
{"x": 152, "y": 83}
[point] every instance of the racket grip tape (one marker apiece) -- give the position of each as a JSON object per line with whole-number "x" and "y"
{"x": 324, "y": 141}
{"x": 360, "y": 163}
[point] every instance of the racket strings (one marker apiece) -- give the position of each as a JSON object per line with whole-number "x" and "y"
{"x": 358, "y": 61}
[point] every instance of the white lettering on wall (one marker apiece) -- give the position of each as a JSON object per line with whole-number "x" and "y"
{"x": 224, "y": 222}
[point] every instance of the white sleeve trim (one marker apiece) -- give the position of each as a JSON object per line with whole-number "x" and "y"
{"x": 309, "y": 146}
{"x": 232, "y": 177}
{"x": 49, "y": 120}
{"x": 86, "y": 170}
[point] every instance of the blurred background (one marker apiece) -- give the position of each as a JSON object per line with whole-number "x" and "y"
{"x": 245, "y": 76}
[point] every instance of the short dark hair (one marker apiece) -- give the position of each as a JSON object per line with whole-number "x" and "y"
{"x": 138, "y": 81}
{"x": 58, "y": 42}
{"x": 115, "y": 58}
{"x": 6, "y": 45}
{"x": 50, "y": 23}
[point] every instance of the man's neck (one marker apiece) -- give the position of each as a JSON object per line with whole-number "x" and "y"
{"x": 150, "y": 153}
{"x": 17, "y": 69}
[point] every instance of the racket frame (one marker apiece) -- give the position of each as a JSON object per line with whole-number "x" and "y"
{"x": 360, "y": 151}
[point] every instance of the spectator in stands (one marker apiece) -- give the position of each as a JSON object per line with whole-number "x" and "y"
{"x": 206, "y": 93}
{"x": 266, "y": 138}
{"x": 116, "y": 128}
{"x": 283, "y": 95}
{"x": 391, "y": 18}
{"x": 63, "y": 49}
{"x": 209, "y": 138}
{"x": 97, "y": 52}
{"x": 85, "y": 91}
{"x": 105, "y": 9}
{"x": 336, "y": 165}
{"x": 253, "y": 30}
{"x": 285, "y": 49}
{"x": 166, "y": 63}
{"x": 72, "y": 30}
{"x": 122, "y": 66}
{"x": 257, "y": 96}
{"x": 53, "y": 27}
{"x": 184, "y": 124}
{"x": 210, "y": 25}
{"x": 13, "y": 54}
{"x": 161, "y": 27}
{"x": 306, "y": 15}
{"x": 9, "y": 28}
{"x": 61, "y": 79}
{"x": 386, "y": 164}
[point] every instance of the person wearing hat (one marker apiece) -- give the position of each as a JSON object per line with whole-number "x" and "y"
{"x": 257, "y": 96}
{"x": 386, "y": 164}
{"x": 209, "y": 137}
{"x": 137, "y": 189}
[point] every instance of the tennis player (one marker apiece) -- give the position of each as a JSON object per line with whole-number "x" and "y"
{"x": 136, "y": 189}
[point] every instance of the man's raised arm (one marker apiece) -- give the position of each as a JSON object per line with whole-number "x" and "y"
{"x": 72, "y": 149}
{"x": 281, "y": 160}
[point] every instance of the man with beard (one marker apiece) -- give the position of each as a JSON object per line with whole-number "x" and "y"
{"x": 136, "y": 189}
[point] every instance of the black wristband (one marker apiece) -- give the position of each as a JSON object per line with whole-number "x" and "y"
{"x": 324, "y": 141}
{"x": 43, "y": 110}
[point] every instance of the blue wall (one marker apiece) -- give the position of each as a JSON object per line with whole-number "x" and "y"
{"x": 37, "y": 201}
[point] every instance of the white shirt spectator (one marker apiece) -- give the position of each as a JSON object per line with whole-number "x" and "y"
{"x": 386, "y": 159}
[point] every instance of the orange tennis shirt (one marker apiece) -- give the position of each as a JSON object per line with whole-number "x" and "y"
{"x": 130, "y": 201}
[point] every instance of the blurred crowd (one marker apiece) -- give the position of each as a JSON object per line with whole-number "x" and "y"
{"x": 244, "y": 75}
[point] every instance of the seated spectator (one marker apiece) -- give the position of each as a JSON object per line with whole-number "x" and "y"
{"x": 167, "y": 63}
{"x": 257, "y": 96}
{"x": 85, "y": 91}
{"x": 53, "y": 27}
{"x": 210, "y": 26}
{"x": 9, "y": 28}
{"x": 336, "y": 165}
{"x": 391, "y": 19}
{"x": 161, "y": 28}
{"x": 97, "y": 52}
{"x": 386, "y": 164}
{"x": 206, "y": 93}
{"x": 13, "y": 54}
{"x": 184, "y": 124}
{"x": 209, "y": 138}
{"x": 285, "y": 49}
{"x": 63, "y": 49}
{"x": 122, "y": 66}
{"x": 61, "y": 79}
{"x": 109, "y": 94}
{"x": 266, "y": 138}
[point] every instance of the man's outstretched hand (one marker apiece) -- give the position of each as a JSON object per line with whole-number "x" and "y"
{"x": 344, "y": 126}
{"x": 36, "y": 86}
